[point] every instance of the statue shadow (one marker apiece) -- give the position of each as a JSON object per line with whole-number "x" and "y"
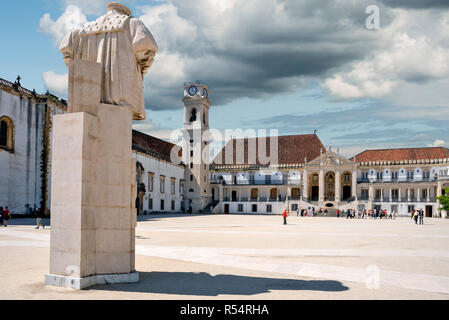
{"x": 204, "y": 284}
{"x": 157, "y": 217}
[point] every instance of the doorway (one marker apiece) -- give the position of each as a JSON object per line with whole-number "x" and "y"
{"x": 234, "y": 196}
{"x": 273, "y": 194}
{"x": 226, "y": 208}
{"x": 315, "y": 193}
{"x": 429, "y": 212}
{"x": 346, "y": 193}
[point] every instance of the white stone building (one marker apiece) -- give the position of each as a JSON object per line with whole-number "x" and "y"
{"x": 304, "y": 174}
{"x": 160, "y": 181}
{"x": 25, "y": 139}
{"x": 25, "y": 156}
{"x": 393, "y": 179}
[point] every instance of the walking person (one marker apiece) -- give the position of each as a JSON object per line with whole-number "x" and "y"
{"x": 421, "y": 216}
{"x": 297, "y": 212}
{"x": 415, "y": 216}
{"x": 284, "y": 215}
{"x": 39, "y": 219}
{"x": 6, "y": 216}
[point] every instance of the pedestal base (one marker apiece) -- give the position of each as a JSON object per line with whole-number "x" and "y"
{"x": 83, "y": 283}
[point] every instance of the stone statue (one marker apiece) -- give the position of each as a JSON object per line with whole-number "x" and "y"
{"x": 125, "y": 50}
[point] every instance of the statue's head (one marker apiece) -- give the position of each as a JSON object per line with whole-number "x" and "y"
{"x": 119, "y": 7}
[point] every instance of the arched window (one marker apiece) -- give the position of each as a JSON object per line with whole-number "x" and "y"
{"x": 193, "y": 115}
{"x": 6, "y": 134}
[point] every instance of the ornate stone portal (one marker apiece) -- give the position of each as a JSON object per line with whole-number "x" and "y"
{"x": 93, "y": 174}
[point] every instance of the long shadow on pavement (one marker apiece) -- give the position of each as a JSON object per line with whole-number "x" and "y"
{"x": 204, "y": 284}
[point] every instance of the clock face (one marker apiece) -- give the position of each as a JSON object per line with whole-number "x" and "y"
{"x": 193, "y": 90}
{"x": 205, "y": 93}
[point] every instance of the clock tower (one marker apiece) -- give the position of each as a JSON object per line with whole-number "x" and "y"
{"x": 195, "y": 152}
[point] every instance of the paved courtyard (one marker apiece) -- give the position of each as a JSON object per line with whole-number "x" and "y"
{"x": 252, "y": 257}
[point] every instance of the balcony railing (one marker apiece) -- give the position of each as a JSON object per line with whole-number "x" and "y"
{"x": 280, "y": 199}
{"x": 365, "y": 180}
{"x": 283, "y": 182}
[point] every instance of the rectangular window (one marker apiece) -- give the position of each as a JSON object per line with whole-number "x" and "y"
{"x": 173, "y": 186}
{"x": 150, "y": 182}
{"x": 150, "y": 204}
{"x": 162, "y": 184}
{"x": 394, "y": 175}
{"x": 294, "y": 207}
{"x": 365, "y": 193}
{"x": 410, "y": 175}
{"x": 379, "y": 175}
{"x": 162, "y": 205}
{"x": 378, "y": 193}
{"x": 191, "y": 165}
{"x": 269, "y": 208}
{"x": 181, "y": 187}
{"x": 172, "y": 206}
{"x": 254, "y": 207}
{"x": 395, "y": 194}
{"x": 240, "y": 207}
{"x": 411, "y": 209}
{"x": 191, "y": 153}
{"x": 191, "y": 177}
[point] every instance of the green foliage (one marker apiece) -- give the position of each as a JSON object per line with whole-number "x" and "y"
{"x": 444, "y": 200}
{"x": 45, "y": 159}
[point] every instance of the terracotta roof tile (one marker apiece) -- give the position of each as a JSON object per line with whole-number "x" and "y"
{"x": 291, "y": 150}
{"x": 402, "y": 154}
{"x": 153, "y": 146}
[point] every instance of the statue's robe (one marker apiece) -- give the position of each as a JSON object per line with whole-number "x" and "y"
{"x": 125, "y": 48}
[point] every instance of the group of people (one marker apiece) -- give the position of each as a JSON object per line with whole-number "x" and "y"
{"x": 367, "y": 214}
{"x": 418, "y": 216}
{"x": 309, "y": 212}
{"x": 5, "y": 215}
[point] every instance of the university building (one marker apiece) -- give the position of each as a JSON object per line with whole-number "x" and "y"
{"x": 174, "y": 179}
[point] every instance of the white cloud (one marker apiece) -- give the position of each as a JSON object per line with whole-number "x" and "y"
{"x": 255, "y": 48}
{"x": 95, "y": 7}
{"x": 70, "y": 20}
{"x": 437, "y": 143}
{"x": 410, "y": 51}
{"x": 56, "y": 83}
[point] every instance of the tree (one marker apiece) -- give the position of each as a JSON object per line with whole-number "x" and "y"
{"x": 444, "y": 200}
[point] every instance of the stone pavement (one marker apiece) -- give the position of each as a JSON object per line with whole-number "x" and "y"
{"x": 252, "y": 257}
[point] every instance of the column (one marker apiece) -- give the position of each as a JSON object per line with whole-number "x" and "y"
{"x": 408, "y": 194}
{"x": 428, "y": 194}
{"x": 321, "y": 184}
{"x": 399, "y": 194}
{"x": 439, "y": 194}
{"x": 371, "y": 192}
{"x": 354, "y": 185}
{"x": 337, "y": 186}
{"x": 391, "y": 194}
{"x": 418, "y": 195}
{"x": 220, "y": 192}
{"x": 305, "y": 191}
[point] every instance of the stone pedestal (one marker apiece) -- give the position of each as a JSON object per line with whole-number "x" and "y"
{"x": 92, "y": 203}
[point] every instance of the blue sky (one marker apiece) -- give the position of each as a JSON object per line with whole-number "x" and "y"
{"x": 295, "y": 66}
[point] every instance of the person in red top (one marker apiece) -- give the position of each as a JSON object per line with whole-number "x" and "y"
{"x": 6, "y": 216}
{"x": 284, "y": 215}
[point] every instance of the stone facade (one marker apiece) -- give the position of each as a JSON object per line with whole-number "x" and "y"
{"x": 333, "y": 182}
{"x": 25, "y": 169}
